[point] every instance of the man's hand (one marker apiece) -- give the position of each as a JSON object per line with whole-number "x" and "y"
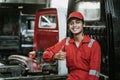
{"x": 60, "y": 55}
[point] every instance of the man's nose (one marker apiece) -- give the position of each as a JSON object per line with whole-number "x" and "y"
{"x": 74, "y": 24}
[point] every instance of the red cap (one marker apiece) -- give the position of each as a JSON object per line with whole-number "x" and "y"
{"x": 75, "y": 15}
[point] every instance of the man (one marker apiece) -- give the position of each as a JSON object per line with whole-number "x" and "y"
{"x": 83, "y": 54}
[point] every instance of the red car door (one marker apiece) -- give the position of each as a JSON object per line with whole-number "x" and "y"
{"x": 46, "y": 31}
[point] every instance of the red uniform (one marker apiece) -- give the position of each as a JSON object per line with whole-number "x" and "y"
{"x": 83, "y": 61}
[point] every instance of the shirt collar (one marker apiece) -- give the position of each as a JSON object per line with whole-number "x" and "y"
{"x": 85, "y": 39}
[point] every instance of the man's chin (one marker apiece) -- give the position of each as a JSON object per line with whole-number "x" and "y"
{"x": 77, "y": 33}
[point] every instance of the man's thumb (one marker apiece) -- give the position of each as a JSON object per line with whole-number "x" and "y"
{"x": 62, "y": 49}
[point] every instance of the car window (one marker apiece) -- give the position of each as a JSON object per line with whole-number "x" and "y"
{"x": 47, "y": 21}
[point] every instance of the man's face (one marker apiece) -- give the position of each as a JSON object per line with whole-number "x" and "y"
{"x": 76, "y": 26}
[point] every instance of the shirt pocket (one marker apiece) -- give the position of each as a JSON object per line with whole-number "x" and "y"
{"x": 85, "y": 56}
{"x": 69, "y": 57}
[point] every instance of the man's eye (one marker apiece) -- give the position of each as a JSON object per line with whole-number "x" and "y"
{"x": 71, "y": 23}
{"x": 78, "y": 21}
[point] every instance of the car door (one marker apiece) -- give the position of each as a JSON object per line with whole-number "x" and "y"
{"x": 46, "y": 31}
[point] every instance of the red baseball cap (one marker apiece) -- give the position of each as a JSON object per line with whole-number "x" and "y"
{"x": 75, "y": 15}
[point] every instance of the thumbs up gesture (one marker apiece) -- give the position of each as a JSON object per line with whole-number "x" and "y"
{"x": 61, "y": 55}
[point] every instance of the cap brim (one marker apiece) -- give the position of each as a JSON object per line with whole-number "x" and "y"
{"x": 72, "y": 18}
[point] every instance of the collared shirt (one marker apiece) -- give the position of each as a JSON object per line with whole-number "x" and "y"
{"x": 79, "y": 58}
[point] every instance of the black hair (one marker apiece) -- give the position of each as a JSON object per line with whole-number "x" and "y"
{"x": 76, "y": 18}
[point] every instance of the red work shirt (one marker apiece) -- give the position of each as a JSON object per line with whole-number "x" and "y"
{"x": 82, "y": 61}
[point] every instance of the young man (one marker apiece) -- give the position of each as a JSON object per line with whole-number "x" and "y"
{"x": 83, "y": 54}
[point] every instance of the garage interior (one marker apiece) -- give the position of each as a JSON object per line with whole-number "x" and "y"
{"x": 17, "y": 27}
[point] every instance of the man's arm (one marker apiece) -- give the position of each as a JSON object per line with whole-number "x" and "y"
{"x": 55, "y": 52}
{"x": 95, "y": 61}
